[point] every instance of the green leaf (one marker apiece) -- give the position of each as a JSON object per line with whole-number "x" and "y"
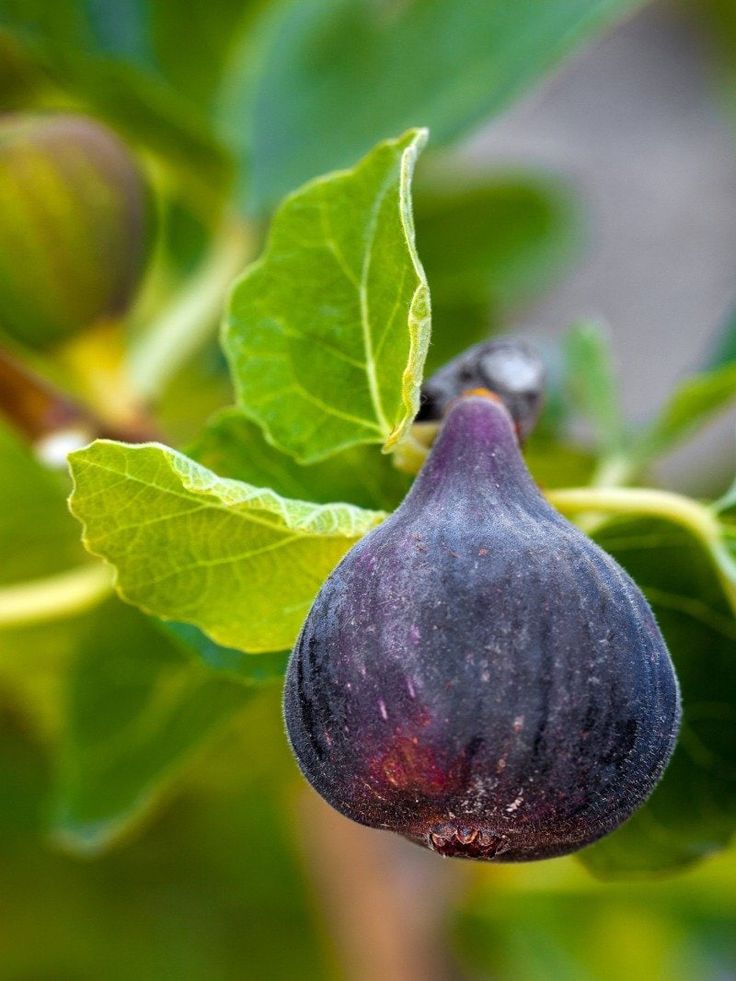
{"x": 692, "y": 813}
{"x": 241, "y": 563}
{"x": 233, "y": 446}
{"x": 334, "y": 76}
{"x": 693, "y": 404}
{"x": 723, "y": 349}
{"x": 141, "y": 704}
{"x": 555, "y": 464}
{"x": 541, "y": 921}
{"x": 131, "y": 61}
{"x": 592, "y": 385}
{"x": 327, "y": 333}
{"x": 260, "y": 670}
{"x": 204, "y": 893}
{"x": 39, "y": 538}
{"x": 487, "y": 242}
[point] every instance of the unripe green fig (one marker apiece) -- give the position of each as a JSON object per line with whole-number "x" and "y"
{"x": 75, "y": 226}
{"x": 476, "y": 674}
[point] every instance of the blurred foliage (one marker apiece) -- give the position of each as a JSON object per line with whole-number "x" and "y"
{"x": 693, "y": 810}
{"x": 140, "y": 703}
{"x": 68, "y": 188}
{"x": 476, "y": 278}
{"x": 117, "y": 729}
{"x": 379, "y": 68}
{"x": 552, "y": 921}
{"x": 209, "y": 892}
{"x": 39, "y": 535}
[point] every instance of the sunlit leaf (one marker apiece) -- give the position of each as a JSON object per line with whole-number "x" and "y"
{"x": 327, "y": 333}
{"x": 241, "y": 563}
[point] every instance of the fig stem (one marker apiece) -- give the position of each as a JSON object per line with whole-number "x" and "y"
{"x": 699, "y": 519}
{"x": 192, "y": 315}
{"x": 680, "y": 510}
{"x": 55, "y": 597}
{"x": 616, "y": 470}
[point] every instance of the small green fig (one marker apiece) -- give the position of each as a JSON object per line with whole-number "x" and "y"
{"x": 476, "y": 674}
{"x": 75, "y": 226}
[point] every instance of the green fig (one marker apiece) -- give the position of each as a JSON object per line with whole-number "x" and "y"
{"x": 75, "y": 226}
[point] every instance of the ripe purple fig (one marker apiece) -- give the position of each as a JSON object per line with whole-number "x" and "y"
{"x": 476, "y": 674}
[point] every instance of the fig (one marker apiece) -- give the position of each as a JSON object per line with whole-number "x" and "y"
{"x": 476, "y": 674}
{"x": 76, "y": 226}
{"x": 511, "y": 369}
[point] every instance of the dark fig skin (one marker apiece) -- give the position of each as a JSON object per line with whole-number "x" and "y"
{"x": 476, "y": 674}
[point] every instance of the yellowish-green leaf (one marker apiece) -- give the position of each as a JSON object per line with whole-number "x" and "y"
{"x": 695, "y": 402}
{"x": 241, "y": 563}
{"x": 327, "y": 333}
{"x": 592, "y": 383}
{"x": 140, "y": 704}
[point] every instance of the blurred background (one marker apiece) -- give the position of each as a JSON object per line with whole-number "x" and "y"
{"x": 582, "y": 165}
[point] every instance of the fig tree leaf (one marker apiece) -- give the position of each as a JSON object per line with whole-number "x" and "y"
{"x": 723, "y": 348}
{"x": 241, "y": 563}
{"x": 141, "y": 703}
{"x": 694, "y": 403}
{"x": 487, "y": 242}
{"x": 333, "y": 76}
{"x": 261, "y": 670}
{"x": 327, "y": 333}
{"x": 38, "y": 536}
{"x": 233, "y": 446}
{"x": 592, "y": 383}
{"x": 692, "y": 812}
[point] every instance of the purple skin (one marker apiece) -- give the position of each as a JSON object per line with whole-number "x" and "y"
{"x": 476, "y": 674}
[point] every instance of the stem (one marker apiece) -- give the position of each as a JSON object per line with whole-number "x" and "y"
{"x": 54, "y": 598}
{"x": 614, "y": 471}
{"x": 680, "y": 510}
{"x": 187, "y": 322}
{"x": 699, "y": 519}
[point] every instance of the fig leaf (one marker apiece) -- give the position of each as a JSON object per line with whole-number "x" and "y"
{"x": 333, "y": 74}
{"x": 241, "y": 563}
{"x": 327, "y": 333}
{"x": 233, "y": 446}
{"x": 143, "y": 699}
